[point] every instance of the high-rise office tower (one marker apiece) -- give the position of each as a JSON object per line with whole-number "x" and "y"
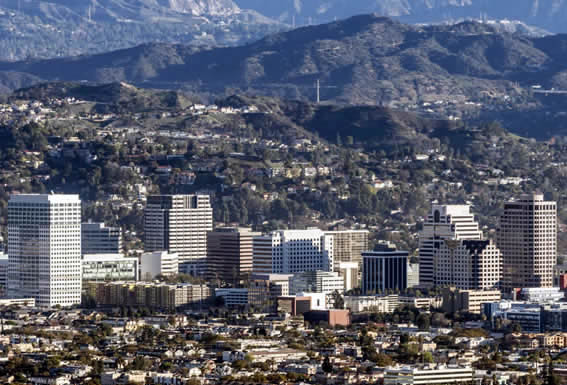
{"x": 229, "y": 254}
{"x": 444, "y": 222}
{"x": 293, "y": 251}
{"x": 44, "y": 248}
{"x": 384, "y": 269}
{"x": 468, "y": 265}
{"x": 96, "y": 238}
{"x": 179, "y": 224}
{"x": 527, "y": 238}
{"x": 348, "y": 246}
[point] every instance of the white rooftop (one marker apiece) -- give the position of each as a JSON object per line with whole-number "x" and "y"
{"x": 45, "y": 198}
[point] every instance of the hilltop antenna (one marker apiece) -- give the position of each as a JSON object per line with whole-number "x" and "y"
{"x": 318, "y": 88}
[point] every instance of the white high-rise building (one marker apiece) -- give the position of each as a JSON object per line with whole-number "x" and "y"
{"x": 179, "y": 224}
{"x": 293, "y": 251}
{"x": 44, "y": 249}
{"x": 527, "y": 238}
{"x": 468, "y": 265}
{"x": 444, "y": 222}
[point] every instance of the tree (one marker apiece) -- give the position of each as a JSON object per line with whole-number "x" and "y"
{"x": 327, "y": 365}
{"x": 423, "y": 321}
{"x": 339, "y": 302}
{"x": 383, "y": 360}
{"x": 516, "y": 328}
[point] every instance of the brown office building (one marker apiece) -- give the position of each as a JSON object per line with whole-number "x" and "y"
{"x": 294, "y": 305}
{"x": 334, "y": 317}
{"x": 229, "y": 254}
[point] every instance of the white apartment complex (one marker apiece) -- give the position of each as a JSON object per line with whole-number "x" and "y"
{"x": 293, "y": 251}
{"x": 444, "y": 222}
{"x": 527, "y": 238}
{"x": 44, "y": 248}
{"x": 468, "y": 264}
{"x": 179, "y": 224}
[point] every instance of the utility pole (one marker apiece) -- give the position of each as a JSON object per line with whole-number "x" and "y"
{"x": 318, "y": 86}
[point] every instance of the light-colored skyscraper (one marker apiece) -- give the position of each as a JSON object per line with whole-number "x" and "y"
{"x": 468, "y": 265}
{"x": 179, "y": 224}
{"x": 348, "y": 246}
{"x": 293, "y": 251}
{"x": 444, "y": 222}
{"x": 229, "y": 254}
{"x": 527, "y": 238}
{"x": 44, "y": 248}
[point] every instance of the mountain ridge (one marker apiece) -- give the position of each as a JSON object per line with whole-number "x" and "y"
{"x": 333, "y": 53}
{"x": 549, "y": 15}
{"x": 461, "y": 71}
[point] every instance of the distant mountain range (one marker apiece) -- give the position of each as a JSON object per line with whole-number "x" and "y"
{"x": 366, "y": 59}
{"x": 57, "y": 28}
{"x": 362, "y": 60}
{"x": 547, "y": 14}
{"x": 60, "y": 28}
{"x": 119, "y": 10}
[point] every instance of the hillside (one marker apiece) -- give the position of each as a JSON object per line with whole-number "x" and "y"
{"x": 465, "y": 71}
{"x": 370, "y": 127}
{"x": 112, "y": 97}
{"x": 365, "y": 158}
{"x": 547, "y": 15}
